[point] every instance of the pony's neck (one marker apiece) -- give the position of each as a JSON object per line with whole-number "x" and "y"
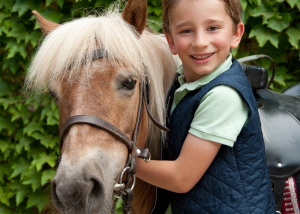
{"x": 144, "y": 197}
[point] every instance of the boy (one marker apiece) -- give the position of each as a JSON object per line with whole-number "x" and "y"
{"x": 217, "y": 160}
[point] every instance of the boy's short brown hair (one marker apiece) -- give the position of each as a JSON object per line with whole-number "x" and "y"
{"x": 232, "y": 7}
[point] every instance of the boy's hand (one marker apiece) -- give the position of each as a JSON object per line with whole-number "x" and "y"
{"x": 182, "y": 174}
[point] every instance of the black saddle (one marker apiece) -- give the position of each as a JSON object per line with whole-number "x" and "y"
{"x": 280, "y": 121}
{"x": 294, "y": 90}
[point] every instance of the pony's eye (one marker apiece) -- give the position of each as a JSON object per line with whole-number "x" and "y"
{"x": 53, "y": 95}
{"x": 129, "y": 84}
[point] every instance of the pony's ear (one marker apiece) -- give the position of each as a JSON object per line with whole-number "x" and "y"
{"x": 46, "y": 25}
{"x": 135, "y": 13}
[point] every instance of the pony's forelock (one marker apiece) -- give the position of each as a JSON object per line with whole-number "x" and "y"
{"x": 65, "y": 50}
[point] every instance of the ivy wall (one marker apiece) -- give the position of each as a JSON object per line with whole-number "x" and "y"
{"x": 28, "y": 127}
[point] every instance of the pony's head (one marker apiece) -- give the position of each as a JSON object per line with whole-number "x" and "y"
{"x": 108, "y": 88}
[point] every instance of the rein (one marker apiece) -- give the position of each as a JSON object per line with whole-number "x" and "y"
{"x": 120, "y": 188}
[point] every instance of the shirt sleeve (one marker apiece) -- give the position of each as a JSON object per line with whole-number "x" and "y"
{"x": 220, "y": 116}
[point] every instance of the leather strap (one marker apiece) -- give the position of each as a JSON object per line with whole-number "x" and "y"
{"x": 127, "y": 199}
{"x": 278, "y": 190}
{"x": 143, "y": 152}
{"x": 151, "y": 117}
{"x": 97, "y": 122}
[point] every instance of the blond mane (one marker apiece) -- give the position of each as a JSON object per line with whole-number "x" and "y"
{"x": 65, "y": 49}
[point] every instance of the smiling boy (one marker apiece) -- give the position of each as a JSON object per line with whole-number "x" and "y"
{"x": 216, "y": 153}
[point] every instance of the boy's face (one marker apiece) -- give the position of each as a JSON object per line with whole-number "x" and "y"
{"x": 202, "y": 35}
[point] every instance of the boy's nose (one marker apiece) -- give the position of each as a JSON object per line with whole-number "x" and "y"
{"x": 200, "y": 40}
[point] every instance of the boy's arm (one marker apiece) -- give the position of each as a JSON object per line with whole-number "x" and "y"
{"x": 182, "y": 174}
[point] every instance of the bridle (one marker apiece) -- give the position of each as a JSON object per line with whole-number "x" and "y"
{"x": 122, "y": 187}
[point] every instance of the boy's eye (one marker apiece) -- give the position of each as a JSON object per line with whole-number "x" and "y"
{"x": 186, "y": 31}
{"x": 212, "y": 28}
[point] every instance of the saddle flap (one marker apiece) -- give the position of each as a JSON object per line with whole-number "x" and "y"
{"x": 281, "y": 131}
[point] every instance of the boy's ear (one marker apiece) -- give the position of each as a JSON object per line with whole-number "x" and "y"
{"x": 238, "y": 35}
{"x": 171, "y": 44}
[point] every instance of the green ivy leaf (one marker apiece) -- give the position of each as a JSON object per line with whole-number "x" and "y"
{"x": 5, "y": 87}
{"x": 36, "y": 150}
{"x": 51, "y": 111}
{"x": 12, "y": 63}
{"x": 47, "y": 175}
{"x": 263, "y": 10}
{"x": 294, "y": 36}
{"x": 292, "y": 3}
{"x": 4, "y": 145}
{"x": 3, "y": 16}
{"x": 51, "y": 14}
{"x": 33, "y": 37}
{"x": 21, "y": 190}
{"x": 8, "y": 5}
{"x": 44, "y": 158}
{"x": 244, "y": 4}
{"x": 156, "y": 10}
{"x": 4, "y": 198}
{"x": 4, "y": 209}
{"x": 33, "y": 127}
{"x": 32, "y": 178}
{"x": 5, "y": 195}
{"x": 24, "y": 142}
{"x": 21, "y": 6}
{"x": 20, "y": 167}
{"x": 54, "y": 142}
{"x": 4, "y": 27}
{"x": 279, "y": 22}
{"x": 14, "y": 48}
{"x": 45, "y": 139}
{"x": 119, "y": 206}
{"x": 17, "y": 31}
{"x": 59, "y": 2}
{"x": 5, "y": 123}
{"x": 279, "y": 79}
{"x": 6, "y": 102}
{"x": 19, "y": 111}
{"x": 263, "y": 35}
{"x": 38, "y": 199}
{"x": 4, "y": 171}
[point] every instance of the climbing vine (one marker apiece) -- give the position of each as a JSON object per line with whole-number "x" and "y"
{"x": 28, "y": 127}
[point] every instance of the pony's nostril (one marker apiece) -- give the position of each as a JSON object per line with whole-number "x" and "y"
{"x": 96, "y": 192}
{"x": 96, "y": 188}
{"x": 55, "y": 198}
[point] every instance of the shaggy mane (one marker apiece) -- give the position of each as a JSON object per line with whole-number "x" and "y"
{"x": 63, "y": 51}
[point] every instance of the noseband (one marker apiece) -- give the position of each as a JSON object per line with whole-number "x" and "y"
{"x": 121, "y": 188}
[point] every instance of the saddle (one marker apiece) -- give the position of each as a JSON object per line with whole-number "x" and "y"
{"x": 280, "y": 121}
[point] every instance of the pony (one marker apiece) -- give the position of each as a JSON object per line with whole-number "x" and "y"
{"x": 92, "y": 159}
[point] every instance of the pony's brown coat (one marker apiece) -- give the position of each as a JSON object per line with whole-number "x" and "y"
{"x": 95, "y": 93}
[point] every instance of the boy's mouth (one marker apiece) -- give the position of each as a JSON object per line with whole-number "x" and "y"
{"x": 201, "y": 57}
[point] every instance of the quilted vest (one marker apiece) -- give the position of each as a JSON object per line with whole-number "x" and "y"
{"x": 237, "y": 181}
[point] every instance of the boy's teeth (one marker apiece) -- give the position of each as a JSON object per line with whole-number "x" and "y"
{"x": 202, "y": 57}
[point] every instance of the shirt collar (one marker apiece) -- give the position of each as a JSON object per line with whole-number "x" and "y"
{"x": 204, "y": 80}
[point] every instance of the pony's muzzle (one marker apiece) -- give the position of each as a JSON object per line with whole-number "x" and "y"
{"x": 77, "y": 195}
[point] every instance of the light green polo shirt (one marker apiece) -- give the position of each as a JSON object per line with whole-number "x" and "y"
{"x": 221, "y": 114}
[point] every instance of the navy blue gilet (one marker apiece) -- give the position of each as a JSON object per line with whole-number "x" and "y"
{"x": 237, "y": 181}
